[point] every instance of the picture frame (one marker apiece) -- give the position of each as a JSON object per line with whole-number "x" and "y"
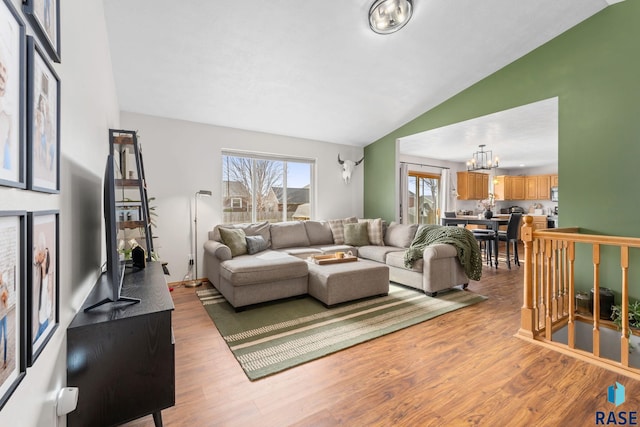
{"x": 43, "y": 289}
{"x": 12, "y": 302}
{"x": 44, "y": 16}
{"x": 43, "y": 118}
{"x": 12, "y": 96}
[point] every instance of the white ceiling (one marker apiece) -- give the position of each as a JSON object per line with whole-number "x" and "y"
{"x": 525, "y": 136}
{"x": 313, "y": 68}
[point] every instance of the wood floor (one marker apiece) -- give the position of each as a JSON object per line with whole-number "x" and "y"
{"x": 461, "y": 369}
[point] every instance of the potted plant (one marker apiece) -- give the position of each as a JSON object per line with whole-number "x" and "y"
{"x": 634, "y": 315}
{"x": 488, "y": 205}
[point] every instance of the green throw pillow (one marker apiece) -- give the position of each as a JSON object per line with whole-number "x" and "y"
{"x": 235, "y": 239}
{"x": 356, "y": 234}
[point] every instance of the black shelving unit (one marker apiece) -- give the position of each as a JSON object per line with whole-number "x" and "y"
{"x": 131, "y": 188}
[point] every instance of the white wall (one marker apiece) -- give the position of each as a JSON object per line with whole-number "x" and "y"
{"x": 183, "y": 157}
{"x": 89, "y": 108}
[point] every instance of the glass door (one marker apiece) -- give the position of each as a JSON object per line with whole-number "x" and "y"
{"x": 423, "y": 198}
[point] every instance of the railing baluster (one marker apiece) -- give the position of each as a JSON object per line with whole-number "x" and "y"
{"x": 548, "y": 292}
{"x": 551, "y": 279}
{"x": 596, "y": 300}
{"x": 571, "y": 340}
{"x": 624, "y": 339}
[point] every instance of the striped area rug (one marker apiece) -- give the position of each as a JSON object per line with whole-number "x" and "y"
{"x": 273, "y": 337}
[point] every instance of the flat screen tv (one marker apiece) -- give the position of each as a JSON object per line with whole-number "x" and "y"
{"x": 115, "y": 262}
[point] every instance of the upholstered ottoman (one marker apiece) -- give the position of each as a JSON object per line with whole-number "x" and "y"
{"x": 336, "y": 283}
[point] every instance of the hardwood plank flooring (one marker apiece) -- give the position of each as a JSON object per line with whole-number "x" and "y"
{"x": 464, "y": 368}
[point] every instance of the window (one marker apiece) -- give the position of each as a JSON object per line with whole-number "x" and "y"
{"x": 423, "y": 198}
{"x": 236, "y": 203}
{"x": 265, "y": 188}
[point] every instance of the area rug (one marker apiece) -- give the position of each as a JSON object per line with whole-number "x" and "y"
{"x": 273, "y": 337}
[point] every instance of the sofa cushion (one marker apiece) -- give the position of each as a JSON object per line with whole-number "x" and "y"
{"x": 400, "y": 235}
{"x": 235, "y": 239}
{"x": 319, "y": 232}
{"x": 250, "y": 229}
{"x": 303, "y": 252}
{"x": 288, "y": 234}
{"x": 253, "y": 269}
{"x": 375, "y": 231}
{"x": 337, "y": 228}
{"x": 377, "y": 253}
{"x": 255, "y": 244}
{"x": 396, "y": 259}
{"x": 356, "y": 234}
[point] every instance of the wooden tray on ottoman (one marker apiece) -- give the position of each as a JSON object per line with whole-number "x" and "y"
{"x": 331, "y": 259}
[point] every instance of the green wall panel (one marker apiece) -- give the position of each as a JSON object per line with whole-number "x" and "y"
{"x": 594, "y": 70}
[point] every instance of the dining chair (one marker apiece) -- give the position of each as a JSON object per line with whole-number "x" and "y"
{"x": 510, "y": 236}
{"x": 487, "y": 239}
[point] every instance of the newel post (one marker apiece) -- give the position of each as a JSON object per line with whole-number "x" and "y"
{"x": 527, "y": 313}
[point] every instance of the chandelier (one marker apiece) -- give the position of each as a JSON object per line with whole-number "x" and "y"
{"x": 481, "y": 160}
{"x": 388, "y": 16}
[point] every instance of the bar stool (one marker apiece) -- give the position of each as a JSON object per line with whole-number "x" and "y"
{"x": 486, "y": 238}
{"x": 510, "y": 236}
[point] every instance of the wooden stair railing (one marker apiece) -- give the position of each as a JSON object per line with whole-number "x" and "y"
{"x": 549, "y": 291}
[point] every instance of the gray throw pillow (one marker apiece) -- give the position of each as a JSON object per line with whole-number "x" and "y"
{"x": 356, "y": 234}
{"x": 235, "y": 239}
{"x": 400, "y": 235}
{"x": 256, "y": 244}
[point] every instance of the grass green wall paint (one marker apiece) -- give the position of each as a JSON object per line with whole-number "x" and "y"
{"x": 594, "y": 70}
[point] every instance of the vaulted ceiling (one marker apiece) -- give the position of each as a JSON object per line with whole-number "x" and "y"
{"x": 314, "y": 69}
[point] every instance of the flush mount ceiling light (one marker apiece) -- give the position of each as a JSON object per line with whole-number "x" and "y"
{"x": 481, "y": 160}
{"x": 388, "y": 16}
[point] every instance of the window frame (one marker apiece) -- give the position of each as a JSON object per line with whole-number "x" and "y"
{"x": 285, "y": 159}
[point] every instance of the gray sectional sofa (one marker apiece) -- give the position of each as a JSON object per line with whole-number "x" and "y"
{"x": 271, "y": 263}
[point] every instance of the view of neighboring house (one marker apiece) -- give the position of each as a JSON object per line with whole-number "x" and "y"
{"x": 237, "y": 203}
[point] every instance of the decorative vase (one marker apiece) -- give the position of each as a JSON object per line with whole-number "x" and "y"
{"x": 488, "y": 214}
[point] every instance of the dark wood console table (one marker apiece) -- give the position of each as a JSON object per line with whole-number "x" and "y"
{"x": 121, "y": 356}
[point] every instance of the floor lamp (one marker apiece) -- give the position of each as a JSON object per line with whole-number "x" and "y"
{"x": 196, "y": 281}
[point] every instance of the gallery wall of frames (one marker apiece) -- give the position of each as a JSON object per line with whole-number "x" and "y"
{"x": 29, "y": 161}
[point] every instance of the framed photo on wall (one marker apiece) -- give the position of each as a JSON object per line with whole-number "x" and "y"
{"x": 44, "y": 16}
{"x": 43, "y": 286}
{"x": 43, "y": 118}
{"x": 12, "y": 88}
{"x": 12, "y": 302}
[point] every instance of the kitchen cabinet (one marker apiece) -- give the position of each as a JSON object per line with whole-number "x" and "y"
{"x": 531, "y": 188}
{"x": 473, "y": 186}
{"x": 538, "y": 187}
{"x": 544, "y": 187}
{"x": 507, "y": 187}
{"x": 539, "y": 222}
{"x": 517, "y": 187}
{"x": 500, "y": 188}
{"x": 554, "y": 180}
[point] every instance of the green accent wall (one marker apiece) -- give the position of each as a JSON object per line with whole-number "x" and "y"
{"x": 594, "y": 70}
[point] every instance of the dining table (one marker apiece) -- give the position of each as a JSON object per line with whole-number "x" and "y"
{"x": 493, "y": 223}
